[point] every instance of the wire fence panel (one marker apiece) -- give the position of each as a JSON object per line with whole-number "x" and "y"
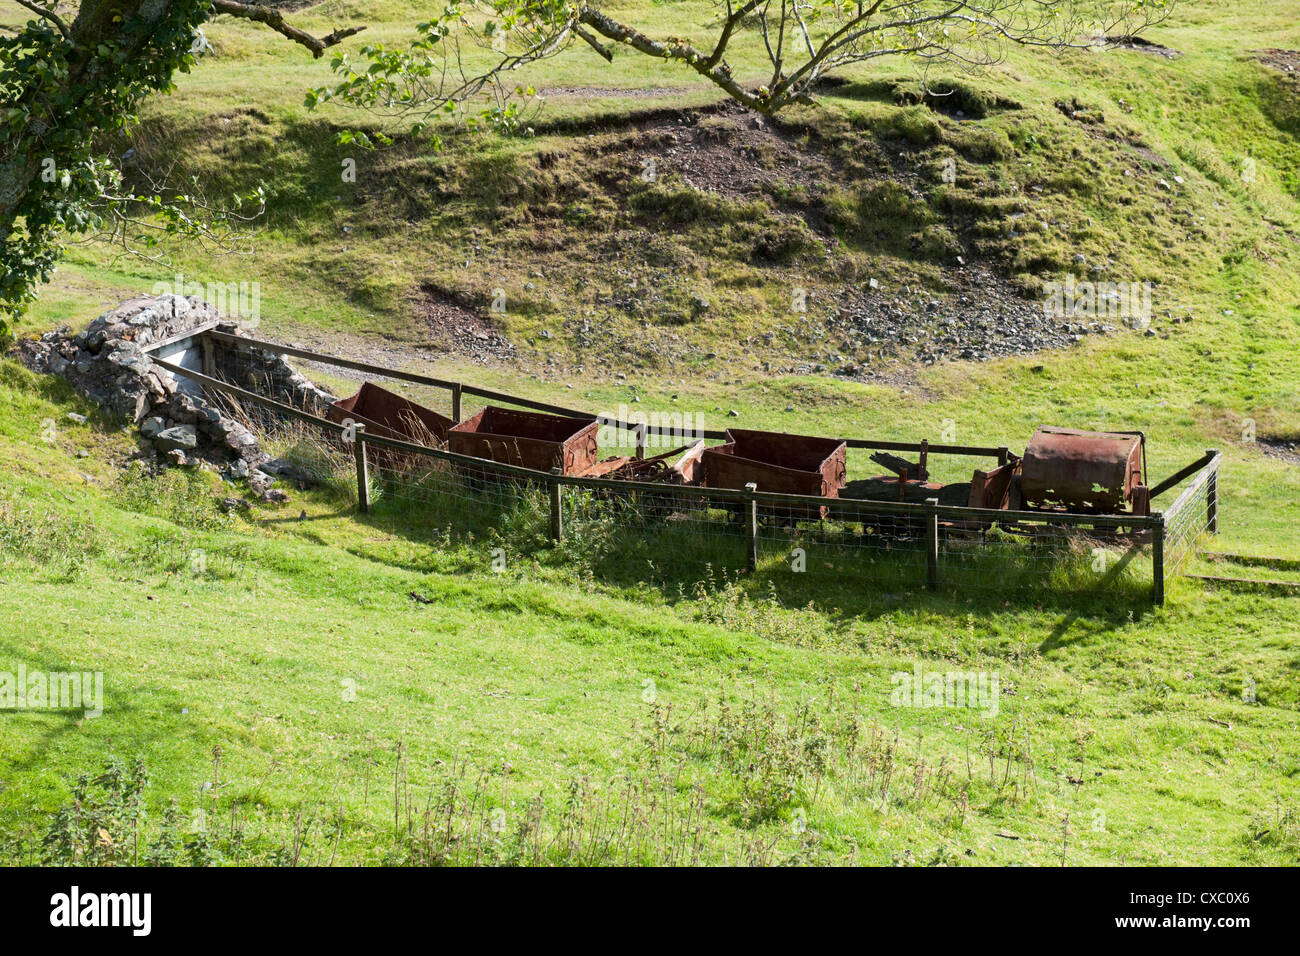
{"x": 639, "y": 526}
{"x": 924, "y": 548}
{"x": 1191, "y": 516}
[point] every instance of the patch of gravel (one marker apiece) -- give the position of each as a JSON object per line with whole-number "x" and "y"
{"x": 1284, "y": 61}
{"x": 983, "y": 318}
{"x": 1142, "y": 45}
{"x": 732, "y": 153}
{"x": 1285, "y": 448}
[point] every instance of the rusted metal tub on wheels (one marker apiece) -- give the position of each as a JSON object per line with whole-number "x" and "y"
{"x": 526, "y": 439}
{"x": 1086, "y": 472}
{"x": 779, "y": 463}
{"x": 389, "y": 415}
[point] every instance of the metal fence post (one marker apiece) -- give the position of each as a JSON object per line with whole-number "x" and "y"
{"x": 932, "y": 543}
{"x": 557, "y": 506}
{"x": 752, "y": 488}
{"x": 363, "y": 476}
{"x": 1212, "y": 497}
{"x": 1158, "y": 561}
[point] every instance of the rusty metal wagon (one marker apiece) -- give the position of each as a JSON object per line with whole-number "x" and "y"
{"x": 389, "y": 415}
{"x": 528, "y": 439}
{"x": 780, "y": 463}
{"x": 1085, "y": 472}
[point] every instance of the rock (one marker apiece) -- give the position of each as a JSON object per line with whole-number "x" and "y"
{"x": 274, "y": 495}
{"x": 260, "y": 482}
{"x": 234, "y": 504}
{"x": 179, "y": 438}
{"x": 239, "y": 438}
{"x": 183, "y": 410}
{"x": 106, "y": 364}
{"x": 239, "y": 469}
{"x": 285, "y": 469}
{"x": 74, "y": 417}
{"x": 178, "y": 458}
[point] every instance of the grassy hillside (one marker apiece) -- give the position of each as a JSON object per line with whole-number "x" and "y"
{"x": 721, "y": 711}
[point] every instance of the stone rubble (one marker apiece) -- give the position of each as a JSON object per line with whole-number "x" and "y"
{"x": 107, "y": 364}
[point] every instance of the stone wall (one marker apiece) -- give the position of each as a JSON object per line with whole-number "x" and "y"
{"x": 108, "y": 365}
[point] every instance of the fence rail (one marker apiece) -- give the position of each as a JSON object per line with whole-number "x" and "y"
{"x": 898, "y": 543}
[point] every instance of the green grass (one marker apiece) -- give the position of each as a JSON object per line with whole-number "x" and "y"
{"x": 543, "y": 667}
{"x": 538, "y": 674}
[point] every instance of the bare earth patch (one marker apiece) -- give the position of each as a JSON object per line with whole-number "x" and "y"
{"x": 457, "y": 327}
{"x": 1141, "y": 45}
{"x": 733, "y": 153}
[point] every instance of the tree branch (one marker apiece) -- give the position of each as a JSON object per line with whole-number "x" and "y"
{"x": 594, "y": 43}
{"x": 621, "y": 33}
{"x": 48, "y": 15}
{"x": 732, "y": 19}
{"x": 275, "y": 20}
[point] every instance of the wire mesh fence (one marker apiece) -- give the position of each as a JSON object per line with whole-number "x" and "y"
{"x": 1192, "y": 515}
{"x": 427, "y": 490}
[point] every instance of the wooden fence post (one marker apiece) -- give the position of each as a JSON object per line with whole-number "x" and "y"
{"x": 456, "y": 402}
{"x": 1158, "y": 562}
{"x": 932, "y": 543}
{"x": 1212, "y": 497}
{"x": 752, "y": 488}
{"x": 640, "y": 441}
{"x": 363, "y": 476}
{"x": 557, "y": 506}
{"x": 209, "y": 356}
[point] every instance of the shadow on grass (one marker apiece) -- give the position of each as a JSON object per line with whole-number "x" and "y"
{"x": 848, "y": 571}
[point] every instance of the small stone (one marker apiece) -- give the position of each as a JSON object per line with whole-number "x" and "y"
{"x": 151, "y": 427}
{"x": 79, "y": 419}
{"x": 179, "y": 438}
